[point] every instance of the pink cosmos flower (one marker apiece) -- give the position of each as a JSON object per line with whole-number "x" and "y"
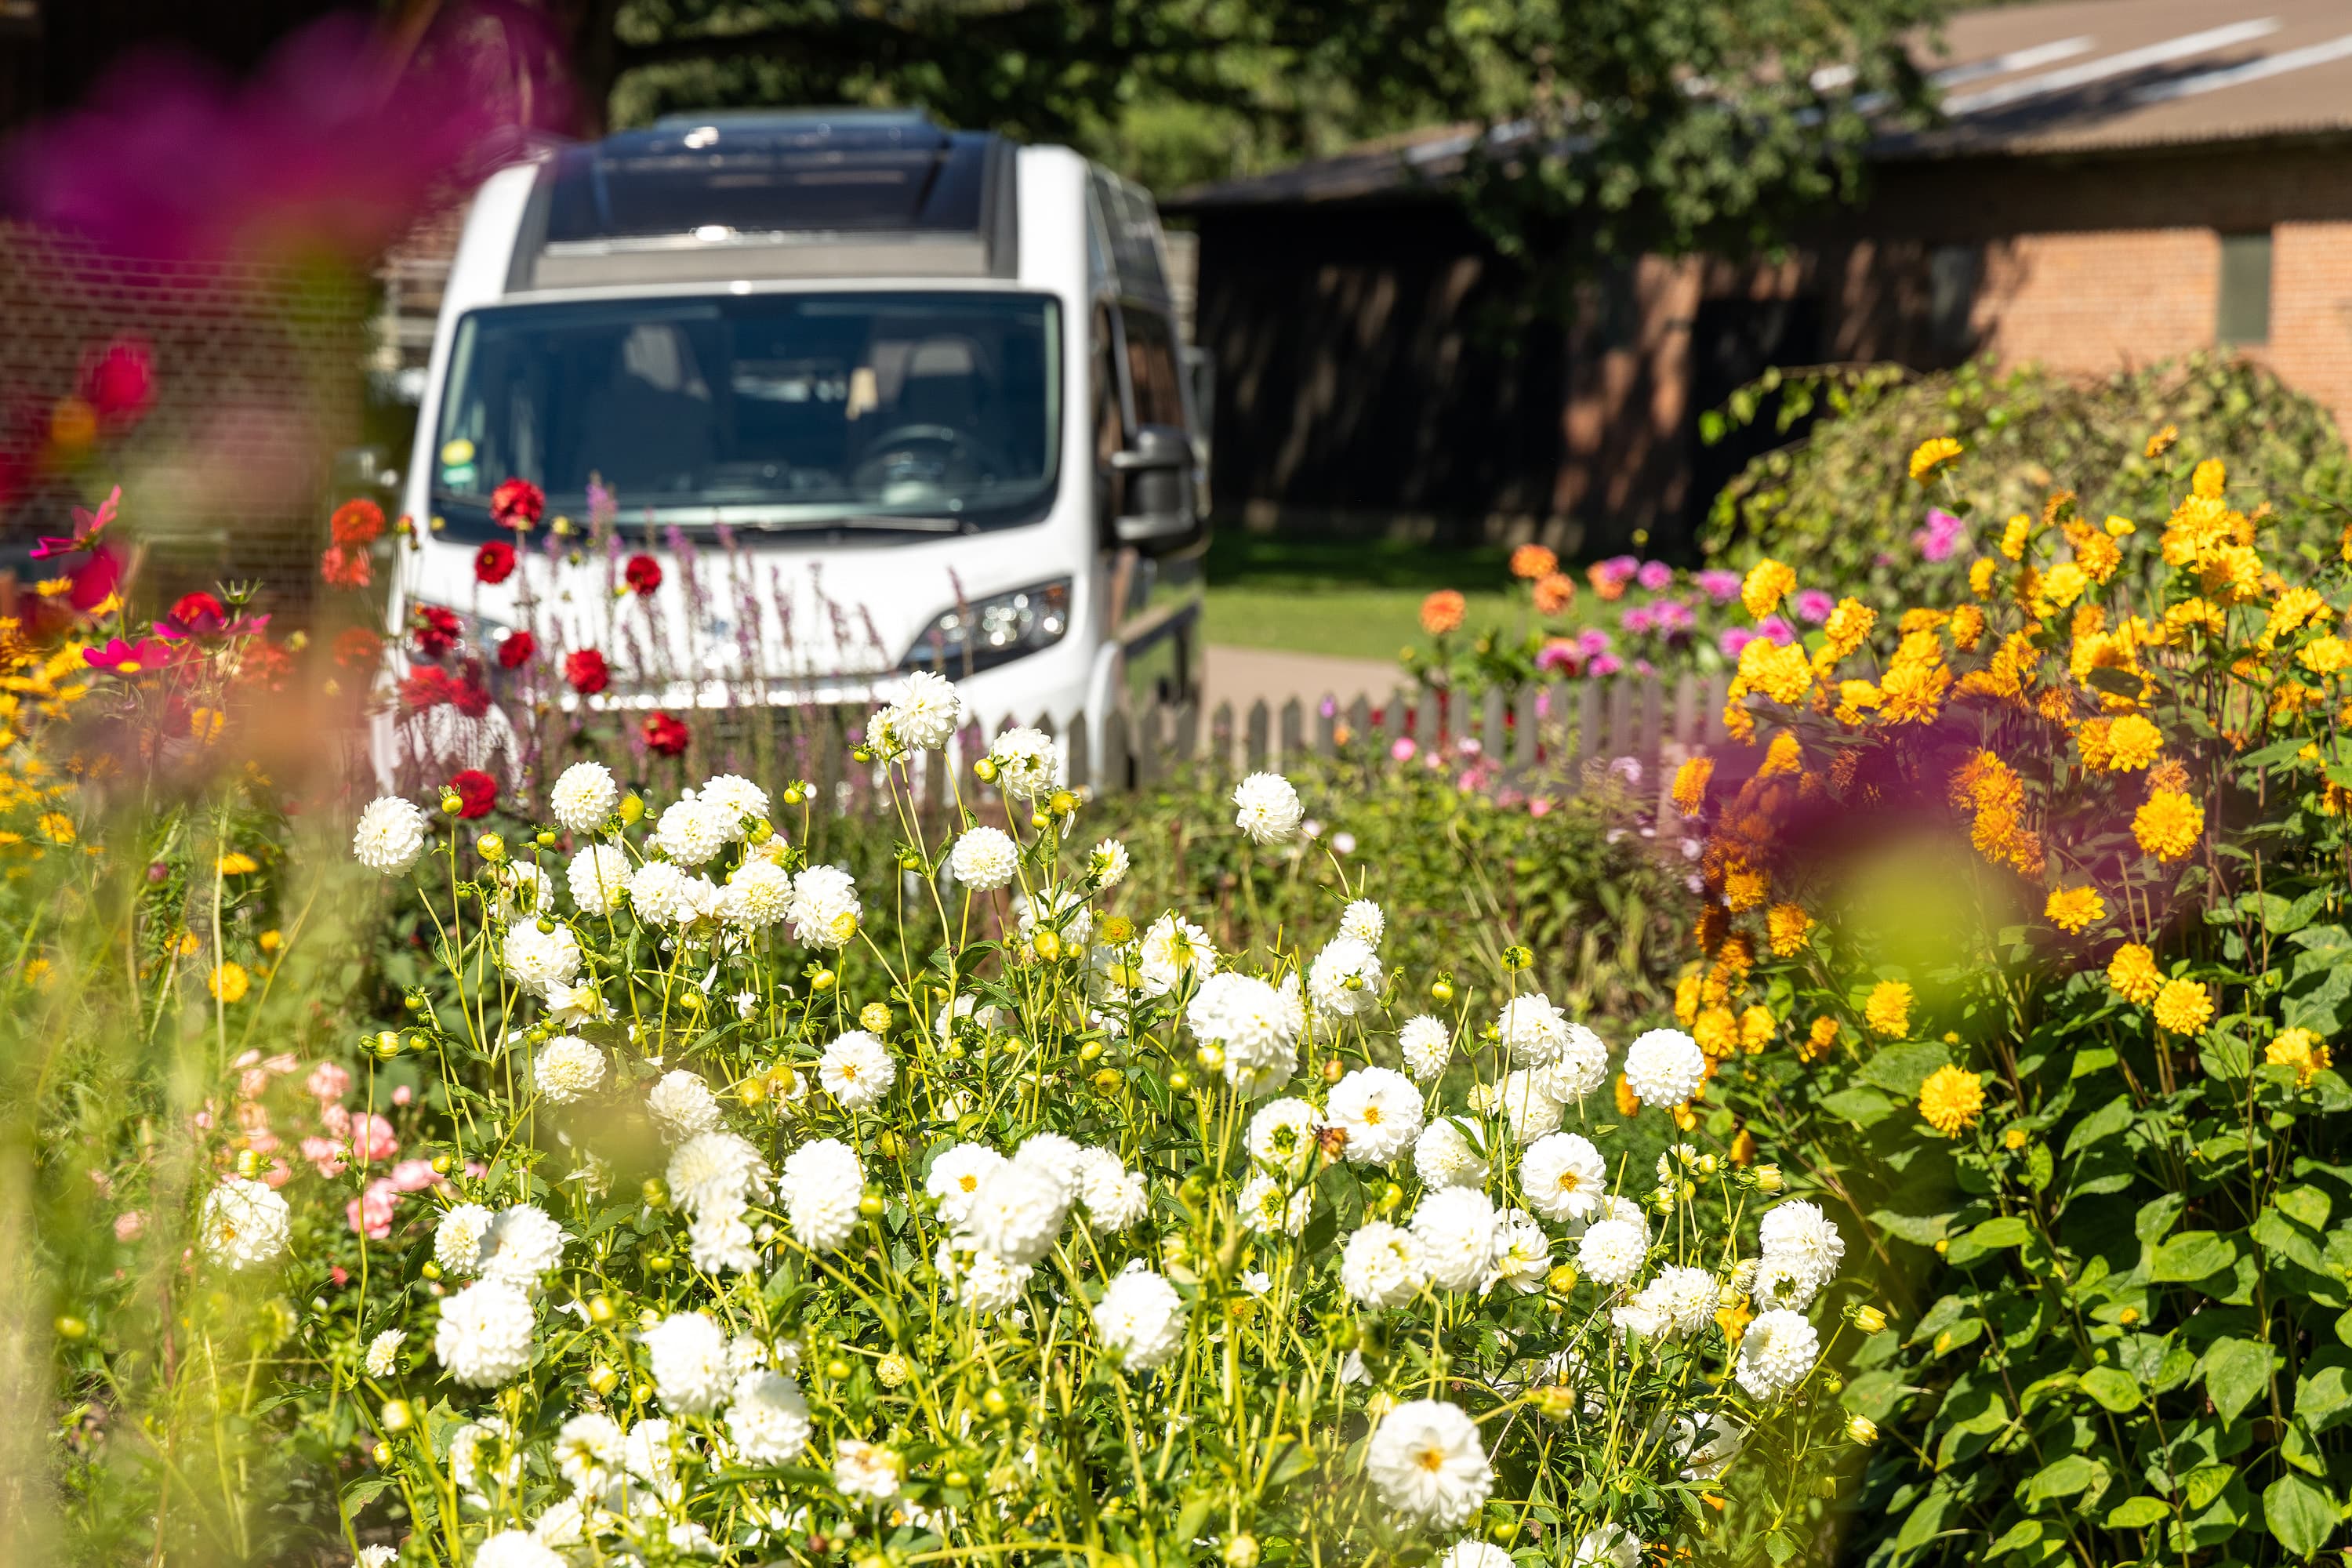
{"x": 370, "y": 1213}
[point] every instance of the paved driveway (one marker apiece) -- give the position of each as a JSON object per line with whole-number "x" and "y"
{"x": 1241, "y": 676}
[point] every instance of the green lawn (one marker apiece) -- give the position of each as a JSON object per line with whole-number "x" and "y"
{"x": 1358, "y": 600}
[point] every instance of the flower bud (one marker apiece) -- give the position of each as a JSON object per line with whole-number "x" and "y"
{"x": 1869, "y": 1320}
{"x": 1768, "y": 1179}
{"x": 601, "y": 1310}
{"x": 1242, "y": 1551}
{"x": 452, "y": 803}
{"x": 633, "y": 808}
{"x": 397, "y": 1415}
{"x": 1441, "y": 989}
{"x": 1039, "y": 819}
{"x": 70, "y": 1327}
{"x": 1048, "y": 945}
{"x": 871, "y": 1206}
{"x": 894, "y": 1370}
{"x": 994, "y": 1402}
{"x": 1862, "y": 1429}
{"x": 490, "y": 846}
{"x": 1211, "y": 1057}
{"x": 1063, "y": 803}
{"x": 1117, "y": 930}
{"x": 984, "y": 770}
{"x": 1179, "y": 1080}
{"x": 823, "y": 980}
{"x": 1107, "y": 1081}
{"x": 1562, "y": 1279}
{"x": 249, "y": 1163}
{"x": 545, "y": 839}
{"x": 660, "y": 1263}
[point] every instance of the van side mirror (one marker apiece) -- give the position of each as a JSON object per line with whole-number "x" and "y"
{"x": 1162, "y": 513}
{"x": 1200, "y": 370}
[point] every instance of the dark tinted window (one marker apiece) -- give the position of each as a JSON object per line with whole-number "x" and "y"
{"x": 661, "y": 182}
{"x": 1151, "y": 368}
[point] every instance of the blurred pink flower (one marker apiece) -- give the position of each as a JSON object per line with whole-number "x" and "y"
{"x": 1402, "y": 749}
{"x": 372, "y": 1211}
{"x": 130, "y": 1224}
{"x": 413, "y": 1175}
{"x": 1812, "y": 605}
{"x": 336, "y": 1119}
{"x": 371, "y": 1138}
{"x": 328, "y": 1081}
{"x": 401, "y": 1096}
{"x": 326, "y": 1153}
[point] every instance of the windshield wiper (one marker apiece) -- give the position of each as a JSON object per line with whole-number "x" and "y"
{"x": 879, "y": 522}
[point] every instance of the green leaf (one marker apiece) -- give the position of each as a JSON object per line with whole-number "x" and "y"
{"x": 2191, "y": 1255}
{"x": 2115, "y": 1389}
{"x": 2061, "y": 1477}
{"x": 1863, "y": 1107}
{"x": 2307, "y": 1205}
{"x": 2300, "y": 1513}
{"x": 2205, "y": 1483}
{"x": 1924, "y": 1229}
{"x": 2323, "y": 1389}
{"x": 2091, "y": 1060}
{"x": 1901, "y": 1069}
{"x": 2006, "y": 1231}
{"x": 2105, "y": 1122}
{"x": 2137, "y": 1513}
{"x": 2237, "y": 1372}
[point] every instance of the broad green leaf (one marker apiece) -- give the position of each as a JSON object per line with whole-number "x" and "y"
{"x": 2105, "y": 1122}
{"x": 2024, "y": 1532}
{"x": 2006, "y": 1231}
{"x": 2307, "y": 1205}
{"x": 2091, "y": 1060}
{"x": 2137, "y": 1513}
{"x": 1925, "y": 1518}
{"x": 2157, "y": 1215}
{"x": 2062, "y": 1478}
{"x": 2191, "y": 1255}
{"x": 2237, "y": 1372}
{"x": 1901, "y": 1069}
{"x": 1863, "y": 1107}
{"x": 2300, "y": 1513}
{"x": 1925, "y": 1229}
{"x": 2115, "y": 1389}
{"x": 2323, "y": 1390}
{"x": 2205, "y": 1483}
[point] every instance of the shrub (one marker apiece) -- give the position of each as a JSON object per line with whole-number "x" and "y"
{"x": 1077, "y": 1233}
{"x": 2035, "y": 902}
{"x": 1841, "y": 506}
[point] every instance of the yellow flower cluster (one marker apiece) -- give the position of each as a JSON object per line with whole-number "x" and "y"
{"x": 2168, "y": 823}
{"x": 2183, "y": 1007}
{"x": 1951, "y": 1100}
{"x": 1767, "y": 582}
{"x": 2302, "y": 1050}
{"x": 2072, "y": 908}
{"x": 1887, "y": 1010}
{"x": 2118, "y": 745}
{"x": 2132, "y": 973}
{"x": 1690, "y": 785}
{"x": 1932, "y": 455}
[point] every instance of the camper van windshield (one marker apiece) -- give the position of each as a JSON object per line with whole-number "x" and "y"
{"x": 928, "y": 411}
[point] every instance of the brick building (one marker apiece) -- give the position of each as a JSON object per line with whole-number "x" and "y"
{"x": 2118, "y": 180}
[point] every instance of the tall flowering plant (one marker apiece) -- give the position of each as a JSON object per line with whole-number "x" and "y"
{"x": 2024, "y": 947}
{"x": 758, "y": 1240}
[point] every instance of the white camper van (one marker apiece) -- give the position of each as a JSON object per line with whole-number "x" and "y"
{"x": 926, "y": 387}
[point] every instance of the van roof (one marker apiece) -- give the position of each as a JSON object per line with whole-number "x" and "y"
{"x": 767, "y": 195}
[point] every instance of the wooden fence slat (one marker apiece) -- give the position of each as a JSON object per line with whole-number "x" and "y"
{"x": 935, "y": 779}
{"x": 1360, "y": 718}
{"x": 1621, "y": 716}
{"x": 1259, "y": 722}
{"x": 1524, "y": 738}
{"x": 1224, "y": 736}
{"x": 1187, "y": 746}
{"x": 1716, "y": 685}
{"x": 1651, "y": 699}
{"x": 1118, "y": 756}
{"x": 1290, "y": 738}
{"x": 1081, "y": 760}
{"x": 1426, "y": 730}
{"x": 1490, "y": 728}
{"x": 1395, "y": 716}
{"x": 1684, "y": 737}
{"x": 1326, "y": 726}
{"x": 1150, "y": 751}
{"x": 1587, "y": 723}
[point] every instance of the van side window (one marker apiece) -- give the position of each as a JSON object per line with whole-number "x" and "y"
{"x": 1152, "y": 372}
{"x": 1109, "y": 408}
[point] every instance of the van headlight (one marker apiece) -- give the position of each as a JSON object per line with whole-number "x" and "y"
{"x": 993, "y": 631}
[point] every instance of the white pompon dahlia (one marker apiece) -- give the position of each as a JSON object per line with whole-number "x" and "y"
{"x": 1140, "y": 1318}
{"x": 1529, "y": 1103}
{"x": 1363, "y": 921}
{"x": 484, "y": 1337}
{"x": 683, "y": 1105}
{"x": 1381, "y": 1111}
{"x": 538, "y": 959}
{"x": 1471, "y": 1553}
{"x": 1266, "y": 809}
{"x": 1564, "y": 1177}
{"x": 688, "y": 1354}
{"x": 1027, "y": 763}
{"x": 1776, "y": 1353}
{"x": 661, "y": 894}
{"x": 1445, "y": 1156}
{"x": 1798, "y": 1231}
{"x": 720, "y": 1242}
{"x": 715, "y": 1172}
{"x": 516, "y": 1549}
{"x": 1106, "y": 867}
{"x": 1532, "y": 1029}
{"x": 1381, "y": 1266}
{"x": 1455, "y": 1228}
{"x": 866, "y": 1472}
{"x": 822, "y": 1184}
{"x": 521, "y": 1244}
{"x": 955, "y": 1178}
{"x": 1258, "y": 1025}
{"x": 599, "y": 878}
{"x": 826, "y": 909}
{"x": 1684, "y": 1298}
{"x": 1345, "y": 979}
{"x": 383, "y": 1352}
{"x": 1267, "y": 1211}
{"x": 733, "y": 793}
{"x": 763, "y": 892}
{"x": 1428, "y": 1463}
{"x": 390, "y": 835}
{"x": 1611, "y": 1252}
{"x": 985, "y": 1283}
{"x": 1174, "y": 949}
{"x": 928, "y": 712}
{"x": 1427, "y": 1044}
{"x": 457, "y": 1240}
{"x": 692, "y": 829}
{"x": 1607, "y": 1546}
{"x": 1281, "y": 1134}
{"x": 1017, "y": 1212}
{"x": 1583, "y": 1064}
{"x": 588, "y": 1449}
{"x": 983, "y": 859}
{"x": 1665, "y": 1068}
{"x": 569, "y": 1069}
{"x": 246, "y": 1224}
{"x": 1522, "y": 1253}
{"x": 1115, "y": 1198}
{"x": 584, "y": 796}
{"x": 768, "y": 1418}
{"x": 857, "y": 1070}
{"x": 1057, "y": 1156}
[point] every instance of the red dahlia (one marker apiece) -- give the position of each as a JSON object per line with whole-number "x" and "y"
{"x": 587, "y": 671}
{"x": 516, "y": 650}
{"x": 494, "y": 562}
{"x": 436, "y": 630}
{"x": 357, "y": 521}
{"x": 477, "y": 793}
{"x": 664, "y": 734}
{"x": 517, "y": 503}
{"x": 642, "y": 575}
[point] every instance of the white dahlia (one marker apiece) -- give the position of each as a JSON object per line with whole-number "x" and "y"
{"x": 1522, "y": 1253}
{"x": 521, "y": 1244}
{"x": 1445, "y": 1156}
{"x": 824, "y": 910}
{"x": 569, "y": 1069}
{"x": 763, "y": 892}
{"x": 1532, "y": 1029}
{"x": 484, "y": 1337}
{"x": 1563, "y": 1177}
{"x": 1665, "y": 1068}
{"x": 1017, "y": 1212}
{"x": 520, "y": 888}
{"x": 516, "y": 1549}
{"x": 956, "y": 1176}
{"x": 1266, "y": 809}
{"x": 538, "y": 959}
{"x": 390, "y": 835}
{"x": 1611, "y": 1252}
{"x": 688, "y": 1354}
{"x": 1379, "y": 1110}
{"x": 1425, "y": 1044}
{"x": 599, "y": 878}
{"x": 661, "y": 894}
{"x": 1115, "y": 1198}
{"x": 584, "y": 796}
{"x": 1106, "y": 867}
{"x": 928, "y": 711}
{"x": 768, "y": 1418}
{"x": 866, "y": 1472}
{"x": 1428, "y": 1463}
{"x": 246, "y": 1224}
{"x": 1174, "y": 949}
{"x": 1281, "y": 1135}
{"x": 457, "y": 1240}
{"x": 1345, "y": 979}
{"x": 691, "y": 829}
{"x": 1607, "y": 1546}
{"x": 1267, "y": 1210}
{"x": 739, "y": 795}
{"x": 983, "y": 859}
{"x": 383, "y": 1352}
{"x": 1381, "y": 1266}
{"x": 683, "y": 1105}
{"x": 1363, "y": 921}
{"x": 588, "y": 1449}
{"x": 1776, "y": 1353}
{"x": 715, "y": 1172}
{"x": 857, "y": 1070}
{"x": 1455, "y": 1228}
{"x": 1807, "y": 1239}
{"x": 1529, "y": 1103}
{"x": 822, "y": 1185}
{"x": 985, "y": 1283}
{"x": 1583, "y": 1064}
{"x": 1027, "y": 763}
{"x": 1140, "y": 1319}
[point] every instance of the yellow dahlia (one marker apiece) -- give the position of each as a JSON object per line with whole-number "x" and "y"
{"x": 2167, "y": 825}
{"x": 1952, "y": 1099}
{"x": 1690, "y": 785}
{"x": 2302, "y": 1050}
{"x": 2183, "y": 1007}
{"x": 2132, "y": 973}
{"x": 1786, "y": 927}
{"x": 1935, "y": 453}
{"x": 1888, "y": 1010}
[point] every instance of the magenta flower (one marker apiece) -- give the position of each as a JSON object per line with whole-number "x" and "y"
{"x": 1732, "y": 639}
{"x": 1672, "y": 615}
{"x": 1605, "y": 663}
{"x": 1637, "y": 620}
{"x": 1941, "y": 536}
{"x": 1593, "y": 641}
{"x": 1812, "y": 605}
{"x": 1778, "y": 630}
{"x": 1655, "y": 575}
{"x": 1720, "y": 585}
